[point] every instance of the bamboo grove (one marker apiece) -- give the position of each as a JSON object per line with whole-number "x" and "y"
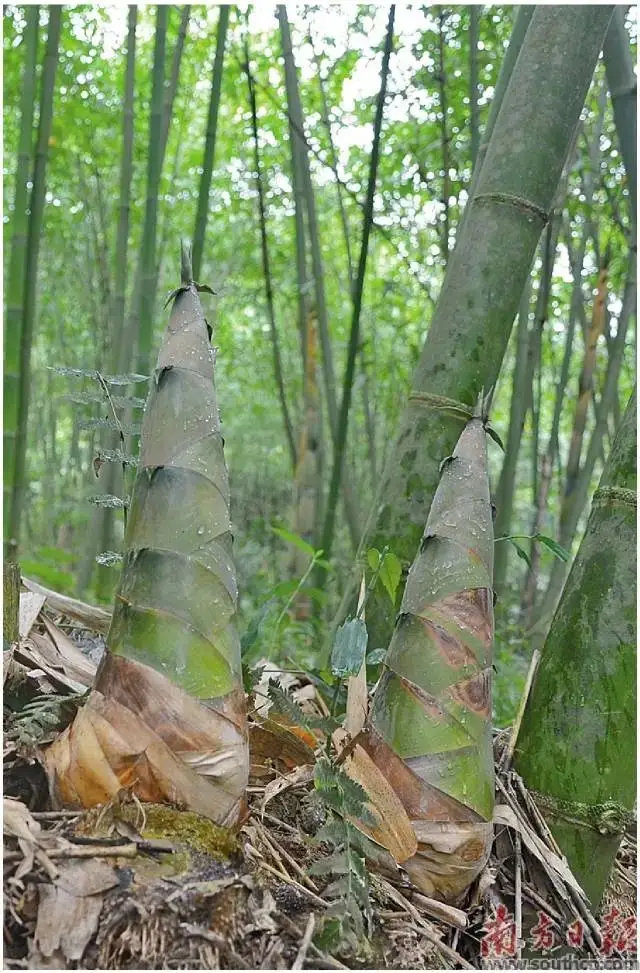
{"x": 413, "y": 266}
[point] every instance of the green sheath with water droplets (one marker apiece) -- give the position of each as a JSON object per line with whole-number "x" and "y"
{"x": 176, "y": 603}
{"x": 433, "y": 704}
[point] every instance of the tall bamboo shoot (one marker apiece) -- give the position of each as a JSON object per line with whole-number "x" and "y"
{"x": 167, "y": 715}
{"x": 430, "y": 730}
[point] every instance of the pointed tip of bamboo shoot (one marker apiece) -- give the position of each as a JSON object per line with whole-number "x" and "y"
{"x": 483, "y": 404}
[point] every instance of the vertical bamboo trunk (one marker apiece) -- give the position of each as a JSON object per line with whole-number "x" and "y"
{"x": 585, "y": 394}
{"x": 517, "y": 413}
{"x": 138, "y": 331}
{"x": 334, "y": 165}
{"x": 546, "y": 473}
{"x": 266, "y": 269}
{"x": 298, "y": 152}
{"x": 10, "y": 603}
{"x": 172, "y": 87}
{"x": 15, "y": 281}
{"x": 533, "y": 380}
{"x": 520, "y": 27}
{"x": 328, "y": 370}
{"x": 354, "y": 336}
{"x": 472, "y": 322}
{"x": 366, "y": 391}
{"x": 474, "y": 113}
{"x": 577, "y": 743}
{"x": 36, "y": 219}
{"x": 146, "y": 294}
{"x": 167, "y": 714}
{"x": 307, "y": 482}
{"x": 530, "y": 588}
{"x": 621, "y": 78}
{"x": 430, "y": 731}
{"x": 522, "y": 398}
{"x": 546, "y": 607}
{"x": 444, "y": 134}
{"x": 124, "y": 201}
{"x": 101, "y": 534}
{"x": 202, "y": 211}
{"x": 296, "y": 120}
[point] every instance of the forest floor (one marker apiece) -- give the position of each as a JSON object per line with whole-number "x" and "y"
{"x": 133, "y": 886}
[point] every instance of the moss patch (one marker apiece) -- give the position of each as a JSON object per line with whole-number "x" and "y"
{"x": 187, "y": 828}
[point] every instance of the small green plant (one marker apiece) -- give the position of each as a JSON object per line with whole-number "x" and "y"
{"x": 116, "y": 406}
{"x": 556, "y": 549}
{"x": 36, "y": 721}
{"x": 274, "y": 631}
{"x": 348, "y": 919}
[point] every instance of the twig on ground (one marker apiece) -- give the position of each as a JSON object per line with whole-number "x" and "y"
{"x": 298, "y": 963}
{"x": 81, "y": 851}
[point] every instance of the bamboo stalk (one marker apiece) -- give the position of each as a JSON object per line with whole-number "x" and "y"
{"x": 470, "y": 329}
{"x": 474, "y": 111}
{"x": 266, "y": 269}
{"x": 621, "y": 78}
{"x": 146, "y": 293}
{"x": 576, "y": 747}
{"x": 15, "y": 280}
{"x": 202, "y": 211}
{"x": 328, "y": 370}
{"x": 36, "y": 220}
{"x": 343, "y": 419}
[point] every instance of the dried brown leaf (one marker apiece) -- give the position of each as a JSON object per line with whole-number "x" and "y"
{"x": 301, "y": 775}
{"x": 69, "y": 910}
{"x": 95, "y": 619}
{"x": 393, "y": 829}
{"x": 140, "y": 731}
{"x": 31, "y": 603}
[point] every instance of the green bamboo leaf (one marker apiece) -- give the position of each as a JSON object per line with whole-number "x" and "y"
{"x": 284, "y": 589}
{"x": 373, "y": 558}
{"x": 520, "y": 550}
{"x": 390, "y": 574}
{"x": 349, "y": 648}
{"x": 291, "y": 538}
{"x": 560, "y": 552}
{"x": 255, "y": 630}
{"x": 496, "y": 438}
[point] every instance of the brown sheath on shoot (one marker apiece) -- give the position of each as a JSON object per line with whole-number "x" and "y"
{"x": 167, "y": 714}
{"x": 430, "y": 727}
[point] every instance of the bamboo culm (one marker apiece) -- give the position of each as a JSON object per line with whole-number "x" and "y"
{"x": 199, "y": 232}
{"x": 36, "y": 219}
{"x": 576, "y": 747}
{"x": 472, "y": 322}
{"x": 15, "y": 281}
